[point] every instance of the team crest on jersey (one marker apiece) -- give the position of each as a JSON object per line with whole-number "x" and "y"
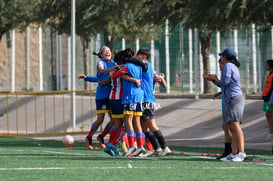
{"x": 132, "y": 106}
{"x": 104, "y": 106}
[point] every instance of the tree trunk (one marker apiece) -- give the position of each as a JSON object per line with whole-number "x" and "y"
{"x": 205, "y": 39}
{"x": 85, "y": 49}
{"x": 4, "y": 30}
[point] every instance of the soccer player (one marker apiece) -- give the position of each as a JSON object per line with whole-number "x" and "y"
{"x": 132, "y": 106}
{"x": 117, "y": 133}
{"x": 117, "y": 108}
{"x": 149, "y": 126}
{"x": 104, "y": 66}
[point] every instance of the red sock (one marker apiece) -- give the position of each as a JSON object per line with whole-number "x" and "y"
{"x": 149, "y": 145}
{"x": 91, "y": 133}
{"x": 119, "y": 136}
{"x": 140, "y": 138}
{"x": 131, "y": 141}
{"x": 106, "y": 130}
{"x": 140, "y": 142}
{"x": 92, "y": 130}
{"x": 113, "y": 133}
{"x": 131, "y": 137}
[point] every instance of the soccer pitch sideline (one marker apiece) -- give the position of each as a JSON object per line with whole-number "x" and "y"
{"x": 23, "y": 158}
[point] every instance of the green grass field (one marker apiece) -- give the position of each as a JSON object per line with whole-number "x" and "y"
{"x": 28, "y": 159}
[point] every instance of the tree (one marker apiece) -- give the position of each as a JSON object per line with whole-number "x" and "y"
{"x": 15, "y": 14}
{"x": 207, "y": 16}
{"x": 116, "y": 19}
{"x": 258, "y": 12}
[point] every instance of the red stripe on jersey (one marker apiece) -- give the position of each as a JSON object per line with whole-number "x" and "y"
{"x": 116, "y": 91}
{"x": 116, "y": 82}
{"x": 119, "y": 73}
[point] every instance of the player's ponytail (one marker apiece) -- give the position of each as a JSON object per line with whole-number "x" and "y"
{"x": 100, "y": 52}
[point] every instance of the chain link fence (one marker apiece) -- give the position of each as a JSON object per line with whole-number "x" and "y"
{"x": 38, "y": 60}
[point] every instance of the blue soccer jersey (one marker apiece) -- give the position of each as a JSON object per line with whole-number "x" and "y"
{"x": 132, "y": 93}
{"x": 103, "y": 91}
{"x": 147, "y": 84}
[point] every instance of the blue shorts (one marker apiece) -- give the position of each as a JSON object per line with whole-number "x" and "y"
{"x": 102, "y": 106}
{"x": 116, "y": 108}
{"x": 234, "y": 109}
{"x": 148, "y": 111}
{"x": 133, "y": 108}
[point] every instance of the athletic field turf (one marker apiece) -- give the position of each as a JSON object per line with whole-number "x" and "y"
{"x": 27, "y": 159}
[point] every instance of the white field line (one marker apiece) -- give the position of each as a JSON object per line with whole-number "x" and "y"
{"x": 53, "y": 152}
{"x": 18, "y": 169}
{"x": 132, "y": 167}
{"x": 65, "y": 153}
{"x": 12, "y": 150}
{"x": 78, "y": 168}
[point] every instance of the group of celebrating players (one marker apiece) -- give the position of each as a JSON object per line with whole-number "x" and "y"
{"x": 126, "y": 91}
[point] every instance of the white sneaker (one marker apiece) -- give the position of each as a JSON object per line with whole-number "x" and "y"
{"x": 228, "y": 158}
{"x": 138, "y": 151}
{"x": 240, "y": 157}
{"x": 269, "y": 137}
{"x": 156, "y": 152}
{"x": 165, "y": 151}
{"x": 146, "y": 154}
{"x": 130, "y": 151}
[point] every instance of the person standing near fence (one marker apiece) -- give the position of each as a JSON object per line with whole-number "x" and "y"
{"x": 228, "y": 135}
{"x": 268, "y": 87}
{"x": 233, "y": 103}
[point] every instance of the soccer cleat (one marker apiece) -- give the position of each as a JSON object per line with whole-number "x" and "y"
{"x": 240, "y": 157}
{"x": 228, "y": 158}
{"x": 223, "y": 155}
{"x": 115, "y": 149}
{"x": 156, "y": 152}
{"x": 130, "y": 151}
{"x": 165, "y": 151}
{"x": 88, "y": 142}
{"x": 145, "y": 153}
{"x": 101, "y": 141}
{"x": 109, "y": 151}
{"x": 138, "y": 151}
{"x": 123, "y": 147}
{"x": 142, "y": 153}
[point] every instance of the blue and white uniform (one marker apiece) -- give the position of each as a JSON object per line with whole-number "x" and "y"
{"x": 132, "y": 95}
{"x": 147, "y": 84}
{"x": 103, "y": 91}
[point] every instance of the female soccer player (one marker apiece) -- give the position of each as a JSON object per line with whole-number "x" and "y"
{"x": 104, "y": 66}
